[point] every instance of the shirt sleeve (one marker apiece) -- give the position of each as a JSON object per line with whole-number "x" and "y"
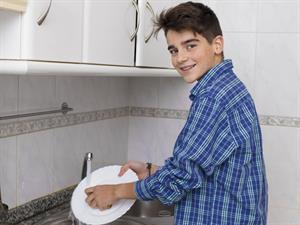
{"x": 204, "y": 143}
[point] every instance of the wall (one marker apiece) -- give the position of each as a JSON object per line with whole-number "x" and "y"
{"x": 36, "y": 164}
{"x": 263, "y": 39}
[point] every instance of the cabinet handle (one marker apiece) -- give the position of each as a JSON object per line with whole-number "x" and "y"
{"x": 42, "y": 17}
{"x": 149, "y": 7}
{"x": 138, "y": 20}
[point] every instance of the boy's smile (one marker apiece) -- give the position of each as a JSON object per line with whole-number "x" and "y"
{"x": 192, "y": 55}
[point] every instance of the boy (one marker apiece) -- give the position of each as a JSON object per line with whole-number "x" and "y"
{"x": 216, "y": 174}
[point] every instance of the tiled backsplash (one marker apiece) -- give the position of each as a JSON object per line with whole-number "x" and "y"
{"x": 34, "y": 125}
{"x": 41, "y": 124}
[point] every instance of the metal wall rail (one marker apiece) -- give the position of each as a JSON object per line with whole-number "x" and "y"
{"x": 64, "y": 109}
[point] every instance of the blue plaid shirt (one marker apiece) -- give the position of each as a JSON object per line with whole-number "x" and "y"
{"x": 216, "y": 175}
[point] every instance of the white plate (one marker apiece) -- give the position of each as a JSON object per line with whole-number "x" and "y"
{"x": 105, "y": 175}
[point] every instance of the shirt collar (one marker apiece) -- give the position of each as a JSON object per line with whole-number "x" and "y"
{"x": 210, "y": 76}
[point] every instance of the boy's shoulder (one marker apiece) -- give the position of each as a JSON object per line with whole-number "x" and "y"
{"x": 228, "y": 90}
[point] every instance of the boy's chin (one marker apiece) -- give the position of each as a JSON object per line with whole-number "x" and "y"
{"x": 189, "y": 79}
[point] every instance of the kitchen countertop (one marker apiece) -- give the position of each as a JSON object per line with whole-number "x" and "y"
{"x": 35, "y": 208}
{"x": 55, "y": 209}
{"x": 62, "y": 210}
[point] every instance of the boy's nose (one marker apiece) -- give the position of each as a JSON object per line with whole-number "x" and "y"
{"x": 182, "y": 57}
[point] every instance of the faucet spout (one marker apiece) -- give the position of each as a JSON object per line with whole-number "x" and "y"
{"x": 87, "y": 163}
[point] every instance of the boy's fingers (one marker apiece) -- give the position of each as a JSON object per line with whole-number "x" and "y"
{"x": 123, "y": 170}
{"x": 93, "y": 204}
{"x": 89, "y": 199}
{"x": 89, "y": 190}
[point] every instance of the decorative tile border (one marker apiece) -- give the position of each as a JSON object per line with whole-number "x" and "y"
{"x": 159, "y": 113}
{"x": 267, "y": 120}
{"x": 34, "y": 125}
{"x": 280, "y": 121}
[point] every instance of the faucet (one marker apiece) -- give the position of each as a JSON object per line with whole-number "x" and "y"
{"x": 3, "y": 207}
{"x": 87, "y": 164}
{"x": 86, "y": 170}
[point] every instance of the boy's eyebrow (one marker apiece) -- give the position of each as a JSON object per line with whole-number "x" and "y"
{"x": 189, "y": 40}
{"x": 170, "y": 47}
{"x": 184, "y": 42}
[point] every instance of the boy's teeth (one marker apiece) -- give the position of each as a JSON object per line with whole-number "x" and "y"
{"x": 187, "y": 67}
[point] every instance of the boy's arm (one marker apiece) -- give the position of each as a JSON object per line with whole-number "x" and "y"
{"x": 125, "y": 191}
{"x": 103, "y": 196}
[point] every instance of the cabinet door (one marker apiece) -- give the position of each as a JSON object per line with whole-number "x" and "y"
{"x": 108, "y": 27}
{"x": 10, "y": 34}
{"x": 59, "y": 37}
{"x": 152, "y": 51}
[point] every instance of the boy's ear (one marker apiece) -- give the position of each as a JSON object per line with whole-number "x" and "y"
{"x": 218, "y": 44}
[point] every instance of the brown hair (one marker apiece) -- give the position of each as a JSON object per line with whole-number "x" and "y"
{"x": 196, "y": 17}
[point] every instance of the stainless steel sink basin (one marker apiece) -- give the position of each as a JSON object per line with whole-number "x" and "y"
{"x": 150, "y": 209}
{"x": 141, "y": 213}
{"x": 65, "y": 218}
{"x": 59, "y": 218}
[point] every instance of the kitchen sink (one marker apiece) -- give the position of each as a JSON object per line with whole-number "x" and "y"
{"x": 64, "y": 217}
{"x": 150, "y": 209}
{"x": 141, "y": 213}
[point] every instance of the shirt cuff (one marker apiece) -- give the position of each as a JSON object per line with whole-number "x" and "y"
{"x": 142, "y": 189}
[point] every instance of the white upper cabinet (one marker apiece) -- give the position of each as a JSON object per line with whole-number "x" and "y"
{"x": 14, "y": 5}
{"x": 83, "y": 37}
{"x": 56, "y": 38}
{"x": 151, "y": 51}
{"x": 109, "y": 33}
{"x": 109, "y": 28}
{"x": 9, "y": 34}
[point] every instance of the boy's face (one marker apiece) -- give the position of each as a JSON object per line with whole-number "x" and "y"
{"x": 192, "y": 55}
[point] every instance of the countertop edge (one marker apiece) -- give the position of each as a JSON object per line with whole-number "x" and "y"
{"x": 37, "y": 206}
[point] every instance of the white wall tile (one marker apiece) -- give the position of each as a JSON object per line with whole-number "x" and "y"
{"x": 92, "y": 93}
{"x": 79, "y": 92}
{"x": 69, "y": 151}
{"x": 278, "y": 16}
{"x": 167, "y": 132}
{"x": 174, "y": 93}
{"x": 142, "y": 139}
{"x": 236, "y": 16}
{"x": 298, "y": 15}
{"x": 8, "y": 95}
{"x": 113, "y": 137}
{"x": 34, "y": 165}
{"x": 152, "y": 139}
{"x": 276, "y": 79}
{"x": 283, "y": 216}
{"x": 116, "y": 94}
{"x": 37, "y": 93}
{"x": 71, "y": 144}
{"x": 240, "y": 47}
{"x": 8, "y": 171}
{"x": 143, "y": 92}
{"x": 281, "y": 150}
{"x": 298, "y": 70}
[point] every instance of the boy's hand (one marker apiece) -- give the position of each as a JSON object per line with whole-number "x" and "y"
{"x": 140, "y": 168}
{"x": 101, "y": 196}
{"x": 104, "y": 196}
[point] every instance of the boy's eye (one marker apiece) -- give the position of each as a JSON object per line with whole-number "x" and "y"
{"x": 173, "y": 51}
{"x": 190, "y": 46}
